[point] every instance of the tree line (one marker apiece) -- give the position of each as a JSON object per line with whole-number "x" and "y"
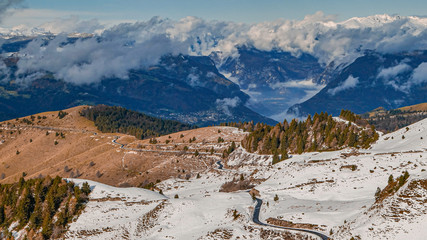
{"x": 118, "y": 119}
{"x": 392, "y": 120}
{"x": 320, "y": 133}
{"x": 43, "y": 206}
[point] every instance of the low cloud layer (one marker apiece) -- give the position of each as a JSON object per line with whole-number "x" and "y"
{"x": 350, "y": 82}
{"x": 391, "y": 72}
{"x": 226, "y": 103}
{"x": 419, "y": 75}
{"x": 390, "y": 76}
{"x": 116, "y": 50}
{"x": 393, "y": 76}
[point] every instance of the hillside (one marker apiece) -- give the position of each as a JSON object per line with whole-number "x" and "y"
{"x": 391, "y": 120}
{"x": 184, "y": 88}
{"x": 121, "y": 120}
{"x": 192, "y": 198}
{"x": 372, "y": 80}
{"x": 422, "y": 107}
{"x": 40, "y": 208}
{"x": 72, "y": 146}
{"x": 317, "y": 190}
{"x": 322, "y": 133}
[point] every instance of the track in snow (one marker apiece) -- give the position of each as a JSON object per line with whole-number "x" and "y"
{"x": 255, "y": 219}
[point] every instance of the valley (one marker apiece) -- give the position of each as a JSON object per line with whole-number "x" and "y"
{"x": 235, "y": 120}
{"x": 193, "y": 192}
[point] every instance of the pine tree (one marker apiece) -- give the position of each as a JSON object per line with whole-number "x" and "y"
{"x": 284, "y": 155}
{"x": 352, "y": 139}
{"x": 25, "y": 207}
{"x": 378, "y": 192}
{"x": 275, "y": 158}
{"x": 36, "y": 217}
{"x": 390, "y": 179}
{"x": 300, "y": 145}
{"x": 2, "y": 214}
{"x": 86, "y": 188}
{"x": 313, "y": 145}
{"x": 47, "y": 226}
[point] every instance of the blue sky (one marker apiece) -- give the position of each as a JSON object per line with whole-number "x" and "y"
{"x": 249, "y": 11}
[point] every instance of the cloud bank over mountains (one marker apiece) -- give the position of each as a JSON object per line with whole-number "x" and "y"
{"x": 350, "y": 82}
{"x": 112, "y": 52}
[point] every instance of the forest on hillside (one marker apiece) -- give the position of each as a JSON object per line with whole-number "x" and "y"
{"x": 320, "y": 133}
{"x": 118, "y": 119}
{"x": 42, "y": 206}
{"x": 392, "y": 120}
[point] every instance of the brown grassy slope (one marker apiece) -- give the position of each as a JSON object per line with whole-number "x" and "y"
{"x": 86, "y": 152}
{"x": 417, "y": 107}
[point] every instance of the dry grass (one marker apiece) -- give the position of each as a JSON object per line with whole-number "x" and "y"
{"x": 284, "y": 223}
{"x": 91, "y": 153}
{"x": 417, "y": 107}
{"x": 236, "y": 185}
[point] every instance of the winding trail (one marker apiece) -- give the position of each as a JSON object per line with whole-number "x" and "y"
{"x": 257, "y": 209}
{"x": 220, "y": 166}
{"x": 122, "y": 146}
{"x": 255, "y": 219}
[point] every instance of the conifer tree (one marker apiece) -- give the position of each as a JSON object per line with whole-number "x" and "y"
{"x": 25, "y": 207}
{"x": 275, "y": 158}
{"x": 47, "y": 226}
{"x": 36, "y": 217}
{"x": 352, "y": 139}
{"x": 85, "y": 188}
{"x": 2, "y": 214}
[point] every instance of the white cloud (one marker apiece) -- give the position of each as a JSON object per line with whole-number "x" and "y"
{"x": 193, "y": 79}
{"x": 71, "y": 25}
{"x": 419, "y": 75}
{"x": 90, "y": 60}
{"x": 350, "y": 82}
{"x": 132, "y": 45}
{"x": 388, "y": 73}
{"x": 304, "y": 83}
{"x": 390, "y": 76}
{"x": 226, "y": 103}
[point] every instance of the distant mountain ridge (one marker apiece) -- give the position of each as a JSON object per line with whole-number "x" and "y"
{"x": 185, "y": 88}
{"x": 274, "y": 79}
{"x": 305, "y": 66}
{"x": 372, "y": 80}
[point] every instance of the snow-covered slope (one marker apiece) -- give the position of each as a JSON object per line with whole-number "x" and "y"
{"x": 381, "y": 20}
{"x": 401, "y": 216}
{"x": 333, "y": 190}
{"x": 332, "y": 187}
{"x": 112, "y": 212}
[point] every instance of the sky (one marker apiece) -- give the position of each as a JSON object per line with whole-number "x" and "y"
{"x": 36, "y": 12}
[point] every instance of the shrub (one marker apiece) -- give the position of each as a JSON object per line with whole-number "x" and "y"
{"x": 234, "y": 185}
{"x": 62, "y": 114}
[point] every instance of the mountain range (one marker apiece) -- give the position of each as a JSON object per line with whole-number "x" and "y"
{"x": 209, "y": 75}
